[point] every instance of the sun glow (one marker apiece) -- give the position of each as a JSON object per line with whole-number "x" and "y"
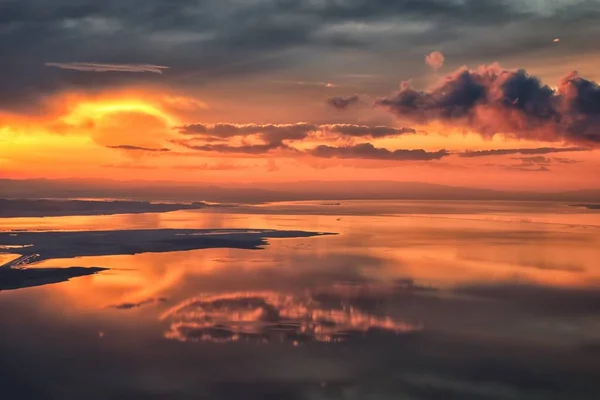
{"x": 76, "y": 133}
{"x": 96, "y": 110}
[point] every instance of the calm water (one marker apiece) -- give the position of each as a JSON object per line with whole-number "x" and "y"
{"x": 410, "y": 300}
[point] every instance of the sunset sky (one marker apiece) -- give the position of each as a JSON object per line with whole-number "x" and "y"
{"x": 479, "y": 93}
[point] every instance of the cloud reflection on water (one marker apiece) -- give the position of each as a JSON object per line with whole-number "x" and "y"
{"x": 273, "y": 316}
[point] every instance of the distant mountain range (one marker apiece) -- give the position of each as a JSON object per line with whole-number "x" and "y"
{"x": 263, "y": 192}
{"x": 63, "y": 207}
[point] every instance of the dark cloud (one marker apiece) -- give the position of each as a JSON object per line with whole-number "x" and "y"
{"x": 503, "y": 152}
{"x": 359, "y": 151}
{"x": 281, "y": 132}
{"x": 342, "y": 103}
{"x": 492, "y": 100}
{"x": 204, "y": 40}
{"x": 370, "y": 152}
{"x": 367, "y": 131}
{"x": 138, "y": 148}
{"x": 194, "y": 129}
{"x": 267, "y": 132}
{"x": 273, "y": 137}
{"x": 242, "y": 149}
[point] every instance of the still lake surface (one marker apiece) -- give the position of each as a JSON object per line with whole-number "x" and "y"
{"x": 409, "y": 300}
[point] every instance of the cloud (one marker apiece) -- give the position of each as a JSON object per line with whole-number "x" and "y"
{"x": 536, "y": 163}
{"x": 535, "y": 160}
{"x": 492, "y": 100}
{"x": 268, "y": 132}
{"x": 563, "y": 160}
{"x": 370, "y": 152}
{"x": 527, "y": 168}
{"x": 276, "y": 137}
{"x": 532, "y": 164}
{"x": 503, "y": 152}
{"x": 435, "y": 60}
{"x": 308, "y": 83}
{"x": 358, "y": 151}
{"x": 103, "y": 67}
{"x": 367, "y": 131}
{"x": 254, "y": 149}
{"x": 138, "y": 148}
{"x": 298, "y": 131}
{"x": 342, "y": 103}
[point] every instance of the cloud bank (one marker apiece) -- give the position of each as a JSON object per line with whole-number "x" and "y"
{"x": 369, "y": 152}
{"x": 281, "y": 137}
{"x": 503, "y": 152}
{"x": 298, "y": 131}
{"x": 491, "y": 100}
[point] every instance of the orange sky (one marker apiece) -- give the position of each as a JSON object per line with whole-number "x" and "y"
{"x": 116, "y": 90}
{"x": 72, "y": 138}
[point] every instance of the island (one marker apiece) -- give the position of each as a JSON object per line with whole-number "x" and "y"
{"x": 33, "y": 247}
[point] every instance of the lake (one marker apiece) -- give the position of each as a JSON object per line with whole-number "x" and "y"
{"x": 404, "y": 300}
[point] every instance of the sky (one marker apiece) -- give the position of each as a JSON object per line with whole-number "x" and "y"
{"x": 483, "y": 93}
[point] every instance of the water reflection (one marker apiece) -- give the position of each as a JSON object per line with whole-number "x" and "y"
{"x": 141, "y": 303}
{"x": 492, "y": 301}
{"x": 273, "y": 316}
